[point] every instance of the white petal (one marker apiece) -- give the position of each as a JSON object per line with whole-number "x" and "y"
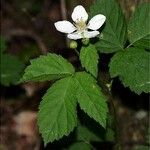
{"x": 79, "y": 13}
{"x": 75, "y": 36}
{"x": 96, "y": 22}
{"x": 65, "y": 26}
{"x": 90, "y": 34}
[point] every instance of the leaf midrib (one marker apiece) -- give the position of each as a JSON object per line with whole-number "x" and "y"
{"x": 88, "y": 96}
{"x": 139, "y": 39}
{"x": 115, "y": 36}
{"x": 61, "y": 104}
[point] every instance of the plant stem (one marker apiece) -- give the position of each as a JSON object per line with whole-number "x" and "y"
{"x": 76, "y": 51}
{"x": 117, "y": 145}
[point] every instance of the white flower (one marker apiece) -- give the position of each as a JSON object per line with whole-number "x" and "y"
{"x": 79, "y": 29}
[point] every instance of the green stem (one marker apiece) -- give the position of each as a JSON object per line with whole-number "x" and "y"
{"x": 117, "y": 145}
{"x": 76, "y": 51}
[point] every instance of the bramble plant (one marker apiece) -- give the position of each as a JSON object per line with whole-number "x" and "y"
{"x": 107, "y": 27}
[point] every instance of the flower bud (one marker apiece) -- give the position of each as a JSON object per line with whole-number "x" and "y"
{"x": 73, "y": 44}
{"x": 85, "y": 41}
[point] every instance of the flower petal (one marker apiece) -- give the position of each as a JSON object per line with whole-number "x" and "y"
{"x": 75, "y": 36}
{"x": 90, "y": 34}
{"x": 79, "y": 13}
{"x": 96, "y": 22}
{"x": 65, "y": 26}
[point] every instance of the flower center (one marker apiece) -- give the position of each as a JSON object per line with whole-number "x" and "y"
{"x": 80, "y": 25}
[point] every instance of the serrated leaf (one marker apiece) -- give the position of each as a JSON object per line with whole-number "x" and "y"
{"x": 132, "y": 67}
{"x": 11, "y": 69}
{"x": 113, "y": 36}
{"x": 89, "y": 59}
{"x": 48, "y": 67}
{"x": 80, "y": 146}
{"x": 139, "y": 27}
{"x": 57, "y": 111}
{"x": 90, "y": 97}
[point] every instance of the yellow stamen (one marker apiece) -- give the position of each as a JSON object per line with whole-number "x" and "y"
{"x": 80, "y": 25}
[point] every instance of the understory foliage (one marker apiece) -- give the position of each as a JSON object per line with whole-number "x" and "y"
{"x": 130, "y": 43}
{"x": 11, "y": 67}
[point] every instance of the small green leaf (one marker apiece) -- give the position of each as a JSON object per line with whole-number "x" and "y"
{"x": 132, "y": 67}
{"x": 80, "y": 146}
{"x": 11, "y": 69}
{"x": 90, "y": 97}
{"x": 48, "y": 67}
{"x": 139, "y": 27}
{"x": 113, "y": 36}
{"x": 57, "y": 111}
{"x": 89, "y": 59}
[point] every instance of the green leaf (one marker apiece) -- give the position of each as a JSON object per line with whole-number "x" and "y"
{"x": 11, "y": 69}
{"x": 90, "y": 97}
{"x": 85, "y": 134}
{"x": 57, "y": 111}
{"x": 80, "y": 146}
{"x": 89, "y": 59}
{"x": 48, "y": 67}
{"x": 113, "y": 36}
{"x": 132, "y": 67}
{"x": 2, "y": 44}
{"x": 139, "y": 27}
